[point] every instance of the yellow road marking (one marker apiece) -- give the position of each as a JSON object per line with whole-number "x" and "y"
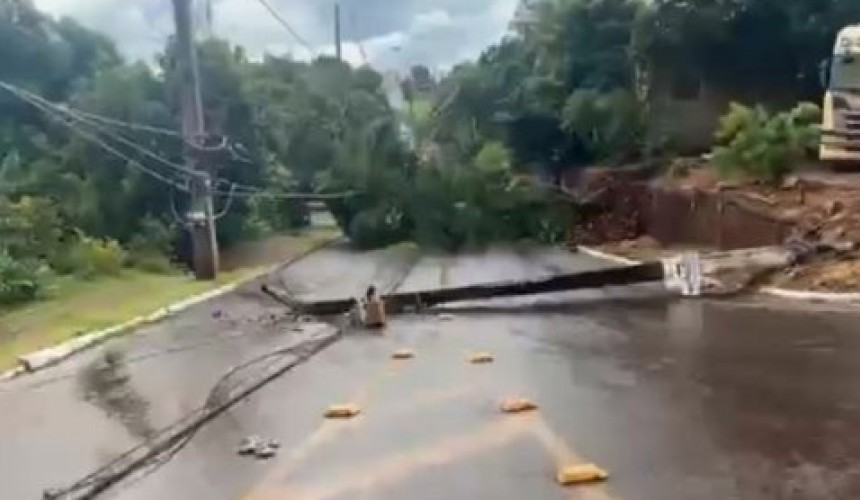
{"x": 329, "y": 430}
{"x": 323, "y": 434}
{"x": 397, "y": 467}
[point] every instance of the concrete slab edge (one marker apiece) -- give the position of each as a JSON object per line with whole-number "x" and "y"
{"x": 598, "y": 254}
{"x": 810, "y": 295}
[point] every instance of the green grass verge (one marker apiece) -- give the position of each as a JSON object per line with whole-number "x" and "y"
{"x": 77, "y": 307}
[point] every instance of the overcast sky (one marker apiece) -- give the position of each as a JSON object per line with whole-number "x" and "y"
{"x": 394, "y": 33}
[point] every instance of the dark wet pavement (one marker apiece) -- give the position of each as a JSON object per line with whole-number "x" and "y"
{"x": 676, "y": 398}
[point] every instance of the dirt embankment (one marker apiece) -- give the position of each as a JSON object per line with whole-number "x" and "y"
{"x": 627, "y": 220}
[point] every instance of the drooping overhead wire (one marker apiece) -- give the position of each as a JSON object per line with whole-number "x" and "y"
{"x": 289, "y": 27}
{"x": 122, "y": 124}
{"x": 358, "y": 41}
{"x": 69, "y": 117}
{"x": 76, "y": 116}
{"x": 66, "y": 120}
{"x": 244, "y": 191}
{"x": 229, "y": 203}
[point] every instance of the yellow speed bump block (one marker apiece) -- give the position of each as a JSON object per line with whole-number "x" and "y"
{"x": 580, "y": 474}
{"x": 403, "y": 354}
{"x": 342, "y": 411}
{"x": 517, "y": 405}
{"x": 480, "y": 358}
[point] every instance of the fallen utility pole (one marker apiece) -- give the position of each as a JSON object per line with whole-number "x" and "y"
{"x": 395, "y": 302}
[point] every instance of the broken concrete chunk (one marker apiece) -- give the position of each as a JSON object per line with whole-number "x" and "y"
{"x": 517, "y": 405}
{"x": 403, "y": 354}
{"x": 833, "y": 207}
{"x": 249, "y": 445}
{"x": 581, "y": 474}
{"x": 266, "y": 451}
{"x": 342, "y": 411}
{"x": 791, "y": 182}
{"x": 480, "y": 358}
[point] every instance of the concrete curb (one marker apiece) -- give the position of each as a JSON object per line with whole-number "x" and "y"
{"x": 44, "y": 358}
{"x": 51, "y": 355}
{"x": 782, "y": 293}
{"x": 607, "y": 256}
{"x": 10, "y": 374}
{"x": 810, "y": 295}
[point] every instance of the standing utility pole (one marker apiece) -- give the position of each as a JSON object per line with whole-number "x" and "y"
{"x": 200, "y": 217}
{"x": 337, "y": 42}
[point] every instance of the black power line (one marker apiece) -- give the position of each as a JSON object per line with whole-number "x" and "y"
{"x": 286, "y": 24}
{"x": 93, "y": 138}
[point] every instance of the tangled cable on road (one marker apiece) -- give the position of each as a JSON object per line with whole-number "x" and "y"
{"x": 231, "y": 388}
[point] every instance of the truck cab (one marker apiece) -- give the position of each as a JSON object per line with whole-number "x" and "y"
{"x": 840, "y": 130}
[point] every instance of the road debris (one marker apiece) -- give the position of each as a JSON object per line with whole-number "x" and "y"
{"x": 374, "y": 309}
{"x": 517, "y": 405}
{"x": 267, "y": 450}
{"x": 257, "y": 447}
{"x": 342, "y": 411}
{"x": 580, "y": 474}
{"x": 248, "y": 445}
{"x": 481, "y": 358}
{"x": 446, "y": 317}
{"x": 403, "y": 354}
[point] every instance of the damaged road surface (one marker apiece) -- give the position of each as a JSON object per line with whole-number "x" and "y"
{"x": 673, "y": 398}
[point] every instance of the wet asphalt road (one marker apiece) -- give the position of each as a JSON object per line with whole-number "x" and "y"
{"x": 677, "y": 399}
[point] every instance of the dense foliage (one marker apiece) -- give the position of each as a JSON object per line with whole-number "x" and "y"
{"x": 753, "y": 143}
{"x": 69, "y": 206}
{"x": 568, "y": 87}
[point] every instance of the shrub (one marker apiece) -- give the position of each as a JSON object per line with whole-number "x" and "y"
{"x": 21, "y": 281}
{"x": 29, "y": 227}
{"x": 92, "y": 257}
{"x": 753, "y": 143}
{"x": 155, "y": 263}
{"x": 150, "y": 248}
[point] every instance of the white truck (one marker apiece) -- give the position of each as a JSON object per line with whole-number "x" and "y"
{"x": 840, "y": 128}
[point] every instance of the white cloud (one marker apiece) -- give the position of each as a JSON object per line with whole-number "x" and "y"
{"x": 394, "y": 33}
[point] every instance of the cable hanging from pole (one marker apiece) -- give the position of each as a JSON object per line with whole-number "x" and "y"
{"x": 237, "y": 190}
{"x": 92, "y": 138}
{"x": 34, "y": 99}
{"x": 227, "y": 205}
{"x": 286, "y": 24}
{"x": 120, "y": 123}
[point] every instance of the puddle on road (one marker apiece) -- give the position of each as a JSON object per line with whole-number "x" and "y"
{"x": 105, "y": 383}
